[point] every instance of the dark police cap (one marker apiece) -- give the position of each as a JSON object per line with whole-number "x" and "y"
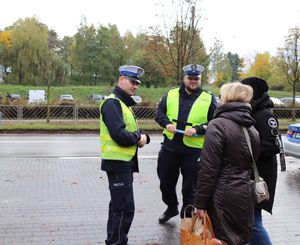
{"x": 193, "y": 70}
{"x": 132, "y": 72}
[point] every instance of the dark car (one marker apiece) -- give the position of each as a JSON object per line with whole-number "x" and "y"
{"x": 14, "y": 98}
{"x": 95, "y": 98}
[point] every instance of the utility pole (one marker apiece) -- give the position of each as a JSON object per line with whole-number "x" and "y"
{"x": 193, "y": 32}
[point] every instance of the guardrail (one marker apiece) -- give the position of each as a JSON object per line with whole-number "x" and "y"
{"x": 75, "y": 113}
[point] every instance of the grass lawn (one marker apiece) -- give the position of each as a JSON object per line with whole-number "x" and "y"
{"x": 150, "y": 96}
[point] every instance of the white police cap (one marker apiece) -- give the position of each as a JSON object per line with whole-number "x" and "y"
{"x": 193, "y": 70}
{"x": 133, "y": 72}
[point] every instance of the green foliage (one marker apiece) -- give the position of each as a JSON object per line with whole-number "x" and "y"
{"x": 220, "y": 66}
{"x": 35, "y": 55}
{"x": 289, "y": 59}
{"x": 30, "y": 46}
{"x": 235, "y": 63}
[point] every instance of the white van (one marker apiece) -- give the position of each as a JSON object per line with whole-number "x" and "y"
{"x": 36, "y": 96}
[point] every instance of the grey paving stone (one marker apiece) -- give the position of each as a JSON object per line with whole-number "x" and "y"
{"x": 64, "y": 202}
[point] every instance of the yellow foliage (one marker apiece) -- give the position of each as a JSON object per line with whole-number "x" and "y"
{"x": 5, "y": 38}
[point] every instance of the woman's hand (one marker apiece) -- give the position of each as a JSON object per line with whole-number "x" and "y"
{"x": 200, "y": 212}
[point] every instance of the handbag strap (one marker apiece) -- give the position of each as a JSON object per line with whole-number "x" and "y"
{"x": 256, "y": 175}
{"x": 189, "y": 206}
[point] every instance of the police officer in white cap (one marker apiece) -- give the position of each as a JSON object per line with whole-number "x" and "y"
{"x": 184, "y": 113}
{"x": 120, "y": 138}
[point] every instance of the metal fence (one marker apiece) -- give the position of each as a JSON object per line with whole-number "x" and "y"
{"x": 75, "y": 113}
{"x": 59, "y": 112}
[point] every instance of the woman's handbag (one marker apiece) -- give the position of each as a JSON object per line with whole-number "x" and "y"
{"x": 197, "y": 231}
{"x": 260, "y": 187}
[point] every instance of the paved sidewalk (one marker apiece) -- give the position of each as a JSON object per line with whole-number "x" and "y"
{"x": 64, "y": 202}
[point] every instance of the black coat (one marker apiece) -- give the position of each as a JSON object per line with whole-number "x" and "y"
{"x": 265, "y": 124}
{"x": 224, "y": 186}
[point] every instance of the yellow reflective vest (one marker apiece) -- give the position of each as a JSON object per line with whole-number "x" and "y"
{"x": 110, "y": 149}
{"x": 197, "y": 115}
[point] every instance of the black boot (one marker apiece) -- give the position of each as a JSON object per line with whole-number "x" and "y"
{"x": 168, "y": 214}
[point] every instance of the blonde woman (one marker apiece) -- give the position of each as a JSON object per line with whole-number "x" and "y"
{"x": 224, "y": 186}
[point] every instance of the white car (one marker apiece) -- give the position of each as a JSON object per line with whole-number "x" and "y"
{"x": 292, "y": 141}
{"x": 277, "y": 102}
{"x": 66, "y": 99}
{"x": 288, "y": 101}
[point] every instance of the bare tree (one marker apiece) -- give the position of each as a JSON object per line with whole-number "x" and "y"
{"x": 290, "y": 60}
{"x": 181, "y": 35}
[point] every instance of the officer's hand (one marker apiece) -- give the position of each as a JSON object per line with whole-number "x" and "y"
{"x": 143, "y": 140}
{"x": 171, "y": 128}
{"x": 190, "y": 132}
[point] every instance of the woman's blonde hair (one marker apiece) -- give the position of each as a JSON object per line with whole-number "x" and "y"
{"x": 236, "y": 91}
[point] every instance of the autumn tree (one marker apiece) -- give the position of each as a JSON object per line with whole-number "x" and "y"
{"x": 261, "y": 66}
{"x": 5, "y": 48}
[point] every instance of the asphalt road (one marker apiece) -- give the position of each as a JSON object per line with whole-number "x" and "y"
{"x": 62, "y": 146}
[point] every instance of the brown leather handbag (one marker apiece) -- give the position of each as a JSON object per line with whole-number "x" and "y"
{"x": 198, "y": 231}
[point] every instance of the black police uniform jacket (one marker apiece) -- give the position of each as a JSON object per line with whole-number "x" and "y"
{"x": 224, "y": 186}
{"x": 112, "y": 116}
{"x": 265, "y": 124}
{"x": 186, "y": 102}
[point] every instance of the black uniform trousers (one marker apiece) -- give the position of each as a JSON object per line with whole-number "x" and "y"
{"x": 170, "y": 164}
{"x": 121, "y": 207}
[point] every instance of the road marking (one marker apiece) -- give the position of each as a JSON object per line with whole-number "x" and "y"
{"x": 53, "y": 141}
{"x": 65, "y": 157}
{"x": 35, "y": 141}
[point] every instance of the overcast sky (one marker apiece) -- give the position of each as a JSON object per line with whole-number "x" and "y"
{"x": 244, "y": 26}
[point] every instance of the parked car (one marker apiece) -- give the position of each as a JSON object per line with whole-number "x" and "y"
{"x": 288, "y": 101}
{"x": 14, "y": 97}
{"x": 292, "y": 141}
{"x": 95, "y": 98}
{"x": 66, "y": 99}
{"x": 277, "y": 102}
{"x": 137, "y": 99}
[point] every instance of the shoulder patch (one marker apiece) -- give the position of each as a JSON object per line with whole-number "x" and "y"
{"x": 272, "y": 122}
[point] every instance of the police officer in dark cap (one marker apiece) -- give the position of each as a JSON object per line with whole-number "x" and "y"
{"x": 267, "y": 126}
{"x": 120, "y": 138}
{"x": 184, "y": 113}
